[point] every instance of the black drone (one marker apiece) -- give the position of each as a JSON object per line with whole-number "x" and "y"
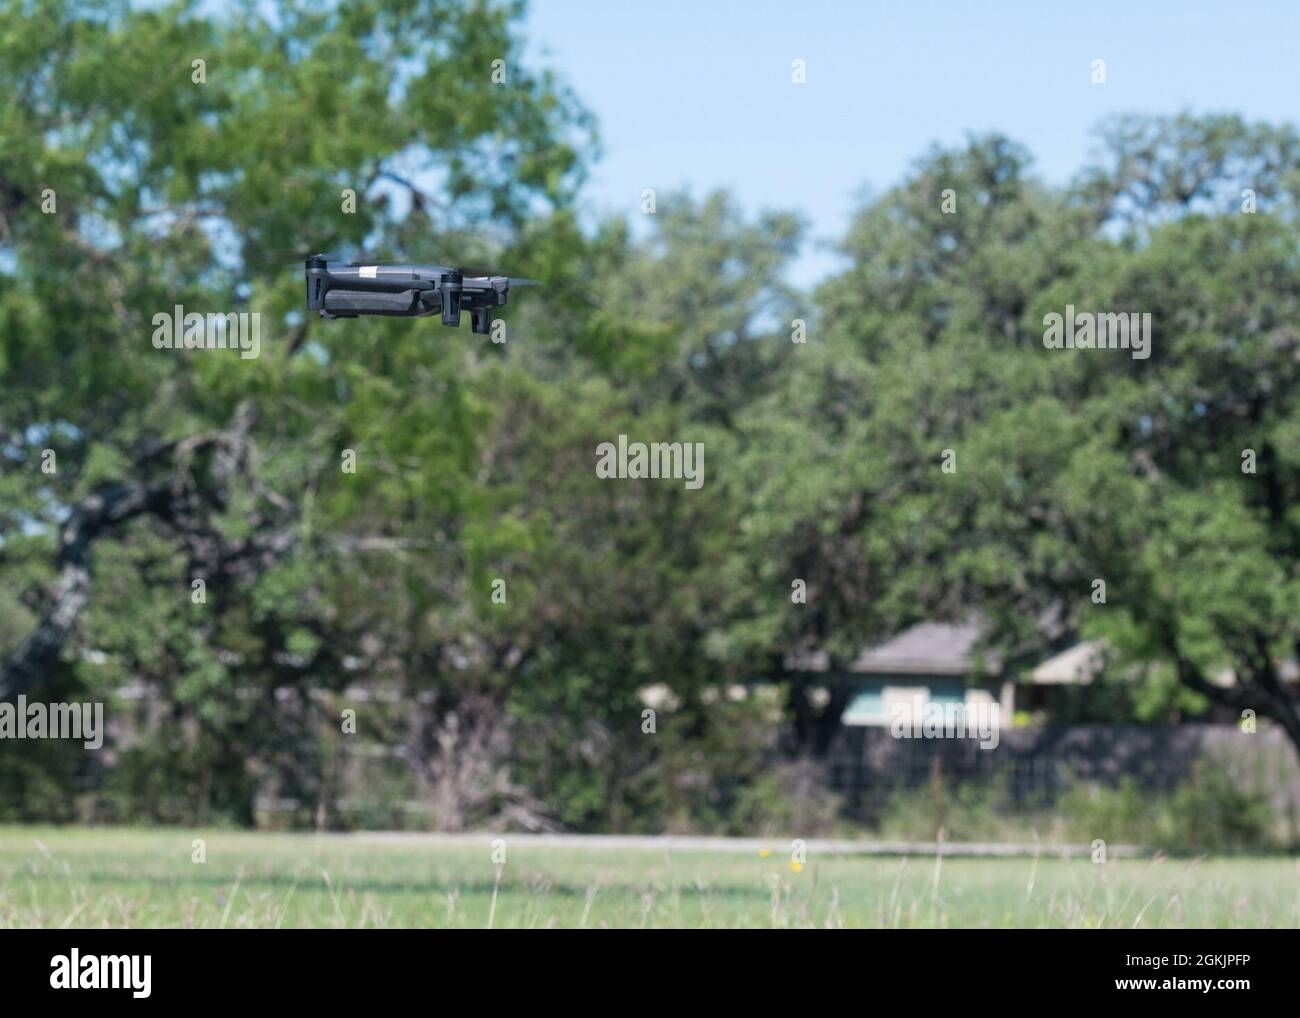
{"x": 406, "y": 291}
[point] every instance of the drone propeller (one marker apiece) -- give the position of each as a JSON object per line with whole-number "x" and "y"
{"x": 348, "y": 257}
{"x": 560, "y": 290}
{"x": 291, "y": 256}
{"x": 365, "y": 258}
{"x": 477, "y": 270}
{"x": 514, "y": 280}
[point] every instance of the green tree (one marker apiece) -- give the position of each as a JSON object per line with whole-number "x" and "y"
{"x": 1070, "y": 466}
{"x": 134, "y": 178}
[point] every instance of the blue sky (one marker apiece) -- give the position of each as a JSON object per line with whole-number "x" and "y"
{"x": 699, "y": 94}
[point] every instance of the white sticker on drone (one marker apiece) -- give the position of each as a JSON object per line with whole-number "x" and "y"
{"x": 368, "y": 271}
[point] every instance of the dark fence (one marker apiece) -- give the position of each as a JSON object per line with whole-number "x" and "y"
{"x": 868, "y": 764}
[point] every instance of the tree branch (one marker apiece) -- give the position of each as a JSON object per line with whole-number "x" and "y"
{"x": 174, "y": 498}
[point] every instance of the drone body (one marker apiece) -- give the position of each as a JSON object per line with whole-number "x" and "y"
{"x": 405, "y": 291}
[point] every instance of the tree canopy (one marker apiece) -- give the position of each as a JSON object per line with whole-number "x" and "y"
{"x": 392, "y": 505}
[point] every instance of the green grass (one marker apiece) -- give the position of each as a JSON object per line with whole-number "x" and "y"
{"x": 93, "y": 877}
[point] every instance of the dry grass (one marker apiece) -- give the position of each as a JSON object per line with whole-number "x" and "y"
{"x": 85, "y": 877}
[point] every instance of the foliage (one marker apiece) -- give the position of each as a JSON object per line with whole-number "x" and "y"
{"x": 327, "y": 590}
{"x": 1210, "y": 813}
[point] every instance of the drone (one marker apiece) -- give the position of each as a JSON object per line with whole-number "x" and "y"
{"x": 407, "y": 291}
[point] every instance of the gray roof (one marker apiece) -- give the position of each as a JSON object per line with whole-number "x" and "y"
{"x": 929, "y": 648}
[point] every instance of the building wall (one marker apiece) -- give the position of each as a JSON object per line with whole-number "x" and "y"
{"x": 875, "y": 696}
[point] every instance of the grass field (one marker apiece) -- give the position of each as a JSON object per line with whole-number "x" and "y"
{"x": 91, "y": 877}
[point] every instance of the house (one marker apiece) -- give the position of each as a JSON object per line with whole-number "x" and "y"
{"x": 938, "y": 663}
{"x": 1075, "y": 666}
